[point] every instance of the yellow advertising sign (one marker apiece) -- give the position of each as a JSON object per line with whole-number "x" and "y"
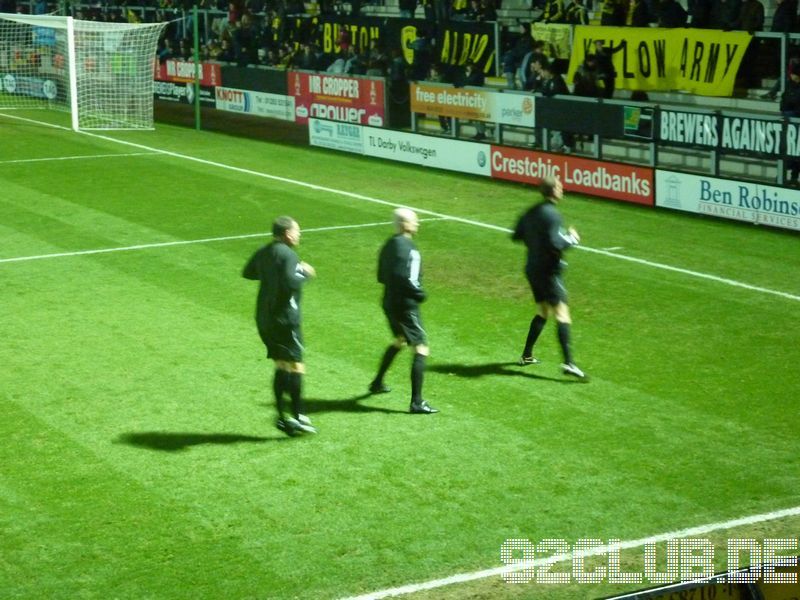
{"x": 700, "y": 61}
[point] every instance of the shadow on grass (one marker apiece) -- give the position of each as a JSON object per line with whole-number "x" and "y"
{"x": 350, "y": 405}
{"x": 168, "y": 441}
{"x": 506, "y": 368}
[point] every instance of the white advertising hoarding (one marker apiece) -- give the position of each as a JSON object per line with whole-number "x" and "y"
{"x": 440, "y": 153}
{"x": 262, "y": 104}
{"x": 346, "y": 137}
{"x": 737, "y": 200}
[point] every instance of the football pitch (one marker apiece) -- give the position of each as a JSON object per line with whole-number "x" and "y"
{"x": 139, "y": 455}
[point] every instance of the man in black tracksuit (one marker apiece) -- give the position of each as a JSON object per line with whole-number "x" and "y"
{"x": 540, "y": 230}
{"x": 282, "y": 275}
{"x": 400, "y": 271}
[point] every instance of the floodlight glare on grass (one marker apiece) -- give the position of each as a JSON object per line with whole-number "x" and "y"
{"x": 102, "y": 73}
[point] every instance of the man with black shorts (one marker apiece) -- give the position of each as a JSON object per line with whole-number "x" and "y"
{"x": 400, "y": 272}
{"x": 281, "y": 275}
{"x": 540, "y": 230}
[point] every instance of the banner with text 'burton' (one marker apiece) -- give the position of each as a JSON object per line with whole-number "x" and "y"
{"x": 700, "y": 61}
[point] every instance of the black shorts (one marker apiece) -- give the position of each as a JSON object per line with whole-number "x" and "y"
{"x": 406, "y": 322}
{"x": 283, "y": 342}
{"x": 547, "y": 287}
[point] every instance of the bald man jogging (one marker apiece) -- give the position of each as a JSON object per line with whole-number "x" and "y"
{"x": 400, "y": 272}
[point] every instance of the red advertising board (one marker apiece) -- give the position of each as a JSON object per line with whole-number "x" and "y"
{"x": 337, "y": 98}
{"x": 629, "y": 183}
{"x": 183, "y": 72}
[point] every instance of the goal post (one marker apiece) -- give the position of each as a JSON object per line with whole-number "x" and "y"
{"x": 102, "y": 73}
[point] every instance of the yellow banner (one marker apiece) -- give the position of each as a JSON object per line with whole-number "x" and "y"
{"x": 700, "y": 61}
{"x": 555, "y": 37}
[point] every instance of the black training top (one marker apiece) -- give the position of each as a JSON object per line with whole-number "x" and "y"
{"x": 400, "y": 271}
{"x": 540, "y": 229}
{"x": 277, "y": 267}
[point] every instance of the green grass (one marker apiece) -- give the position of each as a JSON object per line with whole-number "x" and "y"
{"x": 139, "y": 459}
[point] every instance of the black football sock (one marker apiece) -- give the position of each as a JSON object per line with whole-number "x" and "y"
{"x": 563, "y": 338}
{"x": 279, "y": 387}
{"x": 386, "y": 362}
{"x": 417, "y": 376}
{"x": 537, "y": 324}
{"x": 295, "y": 387}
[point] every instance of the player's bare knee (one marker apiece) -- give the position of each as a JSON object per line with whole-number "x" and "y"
{"x": 297, "y": 367}
{"x": 562, "y": 315}
{"x": 399, "y": 342}
{"x": 422, "y": 349}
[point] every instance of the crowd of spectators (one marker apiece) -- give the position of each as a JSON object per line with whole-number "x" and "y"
{"x": 261, "y": 32}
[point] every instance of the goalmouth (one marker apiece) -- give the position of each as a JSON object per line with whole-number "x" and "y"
{"x": 101, "y": 73}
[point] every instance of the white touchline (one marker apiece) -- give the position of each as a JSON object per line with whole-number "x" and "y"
{"x": 84, "y": 157}
{"x": 184, "y": 242}
{"x": 655, "y": 539}
{"x": 347, "y": 194}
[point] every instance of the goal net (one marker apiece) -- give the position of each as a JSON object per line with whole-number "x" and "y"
{"x": 102, "y": 73}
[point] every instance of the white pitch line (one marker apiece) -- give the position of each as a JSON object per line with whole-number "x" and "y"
{"x": 84, "y": 157}
{"x": 364, "y": 198}
{"x": 185, "y": 242}
{"x": 655, "y": 539}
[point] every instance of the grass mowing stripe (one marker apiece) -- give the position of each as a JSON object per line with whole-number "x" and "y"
{"x": 522, "y": 565}
{"x": 184, "y": 242}
{"x": 364, "y": 198}
{"x": 87, "y": 156}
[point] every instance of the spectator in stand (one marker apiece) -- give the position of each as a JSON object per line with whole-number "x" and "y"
{"x": 377, "y": 61}
{"x": 186, "y": 52}
{"x": 407, "y": 8}
{"x": 533, "y": 79}
{"x": 245, "y": 41}
{"x": 167, "y": 50}
{"x": 234, "y": 12}
{"x": 553, "y": 12}
{"x": 512, "y": 58}
{"x": 458, "y": 10}
{"x": 226, "y": 53}
{"x": 790, "y": 108}
{"x": 671, "y": 14}
{"x": 474, "y": 77}
{"x": 606, "y": 73}
{"x": 473, "y": 12}
{"x": 214, "y": 48}
{"x": 487, "y": 12}
{"x": 441, "y": 9}
{"x": 751, "y": 18}
{"x": 306, "y": 60}
{"x": 437, "y": 75}
{"x": 423, "y": 55}
{"x": 537, "y": 49}
{"x": 613, "y": 12}
{"x": 700, "y": 13}
{"x": 577, "y": 13}
{"x": 553, "y": 84}
{"x": 784, "y": 19}
{"x": 638, "y": 14}
{"x": 355, "y": 64}
{"x": 585, "y": 79}
{"x": 724, "y": 14}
